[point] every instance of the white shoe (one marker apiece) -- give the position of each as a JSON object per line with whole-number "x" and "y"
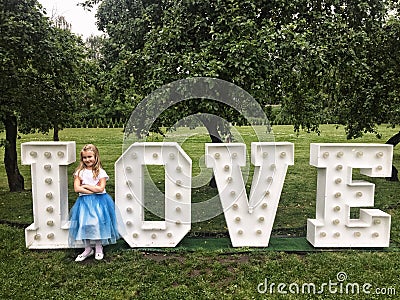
{"x": 82, "y": 257}
{"x": 99, "y": 256}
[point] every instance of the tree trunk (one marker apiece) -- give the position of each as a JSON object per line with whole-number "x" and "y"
{"x": 211, "y": 125}
{"x": 55, "y": 133}
{"x": 15, "y": 179}
{"x": 394, "y": 140}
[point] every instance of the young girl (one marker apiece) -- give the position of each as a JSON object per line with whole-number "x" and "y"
{"x": 93, "y": 218}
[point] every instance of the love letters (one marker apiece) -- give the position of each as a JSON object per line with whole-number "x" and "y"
{"x": 249, "y": 217}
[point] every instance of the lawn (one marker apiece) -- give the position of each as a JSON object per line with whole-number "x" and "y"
{"x": 208, "y": 273}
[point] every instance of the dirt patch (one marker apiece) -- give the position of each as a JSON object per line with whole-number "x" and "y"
{"x": 159, "y": 257}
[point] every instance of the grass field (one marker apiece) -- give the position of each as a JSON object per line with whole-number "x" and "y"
{"x": 205, "y": 274}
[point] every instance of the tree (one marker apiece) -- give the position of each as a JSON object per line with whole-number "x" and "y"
{"x": 345, "y": 68}
{"x": 21, "y": 24}
{"x": 324, "y": 61}
{"x": 341, "y": 69}
{"x": 94, "y": 43}
{"x": 152, "y": 43}
{"x": 310, "y": 55}
{"x": 37, "y": 65}
{"x": 64, "y": 81}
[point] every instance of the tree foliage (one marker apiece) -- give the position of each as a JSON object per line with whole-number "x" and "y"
{"x": 40, "y": 76}
{"x": 341, "y": 68}
{"x": 161, "y": 42}
{"x": 322, "y": 60}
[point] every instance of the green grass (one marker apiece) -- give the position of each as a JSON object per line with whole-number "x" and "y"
{"x": 205, "y": 274}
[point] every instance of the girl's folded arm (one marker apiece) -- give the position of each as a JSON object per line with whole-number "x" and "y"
{"x": 78, "y": 188}
{"x": 99, "y": 188}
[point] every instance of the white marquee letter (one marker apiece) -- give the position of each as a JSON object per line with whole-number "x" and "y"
{"x": 129, "y": 194}
{"x": 337, "y": 193}
{"x": 49, "y": 162}
{"x": 250, "y": 222}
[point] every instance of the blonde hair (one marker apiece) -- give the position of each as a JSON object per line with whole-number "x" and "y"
{"x": 97, "y": 164}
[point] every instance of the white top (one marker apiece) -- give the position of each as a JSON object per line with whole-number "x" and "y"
{"x": 86, "y": 177}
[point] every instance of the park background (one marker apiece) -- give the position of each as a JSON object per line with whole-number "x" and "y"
{"x": 322, "y": 71}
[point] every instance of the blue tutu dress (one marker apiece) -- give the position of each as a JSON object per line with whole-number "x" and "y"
{"x": 93, "y": 217}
